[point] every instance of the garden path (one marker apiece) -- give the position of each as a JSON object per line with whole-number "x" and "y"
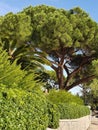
{"x": 94, "y": 123}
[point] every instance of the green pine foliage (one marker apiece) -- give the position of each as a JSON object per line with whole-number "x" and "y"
{"x": 15, "y": 28}
{"x": 62, "y": 39}
{"x": 95, "y": 67}
{"x": 68, "y": 37}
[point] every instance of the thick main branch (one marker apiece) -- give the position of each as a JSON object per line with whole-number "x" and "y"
{"x": 85, "y": 61}
{"x": 81, "y": 81}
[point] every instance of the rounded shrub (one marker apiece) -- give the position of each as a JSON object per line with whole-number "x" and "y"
{"x": 72, "y": 111}
{"x": 53, "y": 115}
{"x": 22, "y": 110}
{"x": 62, "y": 96}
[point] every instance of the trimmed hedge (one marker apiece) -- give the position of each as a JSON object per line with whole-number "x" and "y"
{"x": 22, "y": 110}
{"x": 62, "y": 96}
{"x": 65, "y": 111}
{"x": 66, "y": 105}
{"x": 72, "y": 111}
{"x": 53, "y": 115}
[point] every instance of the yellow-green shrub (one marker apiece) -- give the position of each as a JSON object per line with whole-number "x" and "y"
{"x": 72, "y": 111}
{"x": 62, "y": 96}
{"x": 22, "y": 110}
{"x": 53, "y": 115}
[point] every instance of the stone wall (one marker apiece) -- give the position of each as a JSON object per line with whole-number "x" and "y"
{"x": 74, "y": 124}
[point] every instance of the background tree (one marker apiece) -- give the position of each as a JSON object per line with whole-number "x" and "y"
{"x": 15, "y": 34}
{"x": 94, "y": 92}
{"x": 15, "y": 30}
{"x": 90, "y": 90}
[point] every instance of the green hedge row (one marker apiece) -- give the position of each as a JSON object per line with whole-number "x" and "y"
{"x": 65, "y": 111}
{"x": 72, "y": 111}
{"x": 22, "y": 110}
{"x": 62, "y": 96}
{"x": 53, "y": 115}
{"x": 66, "y": 105}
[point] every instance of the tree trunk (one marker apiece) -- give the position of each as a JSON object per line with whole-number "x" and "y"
{"x": 59, "y": 73}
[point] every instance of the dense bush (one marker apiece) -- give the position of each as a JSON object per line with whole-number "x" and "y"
{"x": 22, "y": 110}
{"x": 22, "y": 106}
{"x": 72, "y": 111}
{"x": 62, "y": 96}
{"x": 53, "y": 115}
{"x": 70, "y": 106}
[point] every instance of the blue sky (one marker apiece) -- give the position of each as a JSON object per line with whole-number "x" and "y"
{"x": 90, "y": 6}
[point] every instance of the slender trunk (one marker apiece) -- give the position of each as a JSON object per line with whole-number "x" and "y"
{"x": 59, "y": 73}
